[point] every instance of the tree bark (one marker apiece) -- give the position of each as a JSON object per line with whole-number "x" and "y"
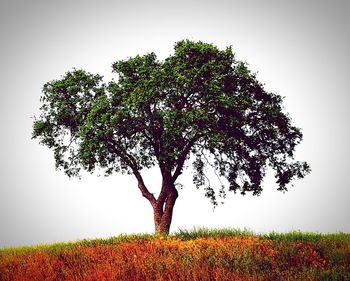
{"x": 163, "y": 208}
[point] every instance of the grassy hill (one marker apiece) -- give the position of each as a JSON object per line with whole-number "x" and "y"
{"x": 218, "y": 254}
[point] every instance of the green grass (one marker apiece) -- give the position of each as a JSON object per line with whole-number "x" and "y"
{"x": 202, "y": 232}
{"x": 57, "y": 247}
{"x": 183, "y": 234}
{"x": 306, "y": 236}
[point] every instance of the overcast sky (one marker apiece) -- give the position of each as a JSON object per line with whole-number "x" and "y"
{"x": 299, "y": 48}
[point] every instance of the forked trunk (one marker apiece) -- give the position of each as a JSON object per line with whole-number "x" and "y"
{"x": 163, "y": 210}
{"x": 162, "y": 206}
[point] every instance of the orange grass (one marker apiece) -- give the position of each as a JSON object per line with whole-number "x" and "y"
{"x": 203, "y": 258}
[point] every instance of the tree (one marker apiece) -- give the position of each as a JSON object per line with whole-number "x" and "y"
{"x": 199, "y": 105}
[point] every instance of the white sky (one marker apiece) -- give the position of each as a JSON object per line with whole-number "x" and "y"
{"x": 301, "y": 51}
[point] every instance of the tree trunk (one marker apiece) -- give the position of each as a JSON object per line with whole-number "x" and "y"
{"x": 162, "y": 206}
{"x": 163, "y": 209}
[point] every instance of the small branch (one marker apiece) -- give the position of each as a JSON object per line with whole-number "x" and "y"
{"x": 214, "y": 168}
{"x": 182, "y": 159}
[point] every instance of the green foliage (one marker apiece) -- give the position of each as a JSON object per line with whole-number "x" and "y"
{"x": 200, "y": 102}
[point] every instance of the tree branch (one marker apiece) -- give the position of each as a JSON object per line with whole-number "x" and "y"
{"x": 141, "y": 185}
{"x": 182, "y": 158}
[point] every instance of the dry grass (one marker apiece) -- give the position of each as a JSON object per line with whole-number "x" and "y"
{"x": 187, "y": 255}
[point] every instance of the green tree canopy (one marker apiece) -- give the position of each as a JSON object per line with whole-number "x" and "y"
{"x": 200, "y": 104}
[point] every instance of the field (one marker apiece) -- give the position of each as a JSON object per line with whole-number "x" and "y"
{"x": 202, "y": 254}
